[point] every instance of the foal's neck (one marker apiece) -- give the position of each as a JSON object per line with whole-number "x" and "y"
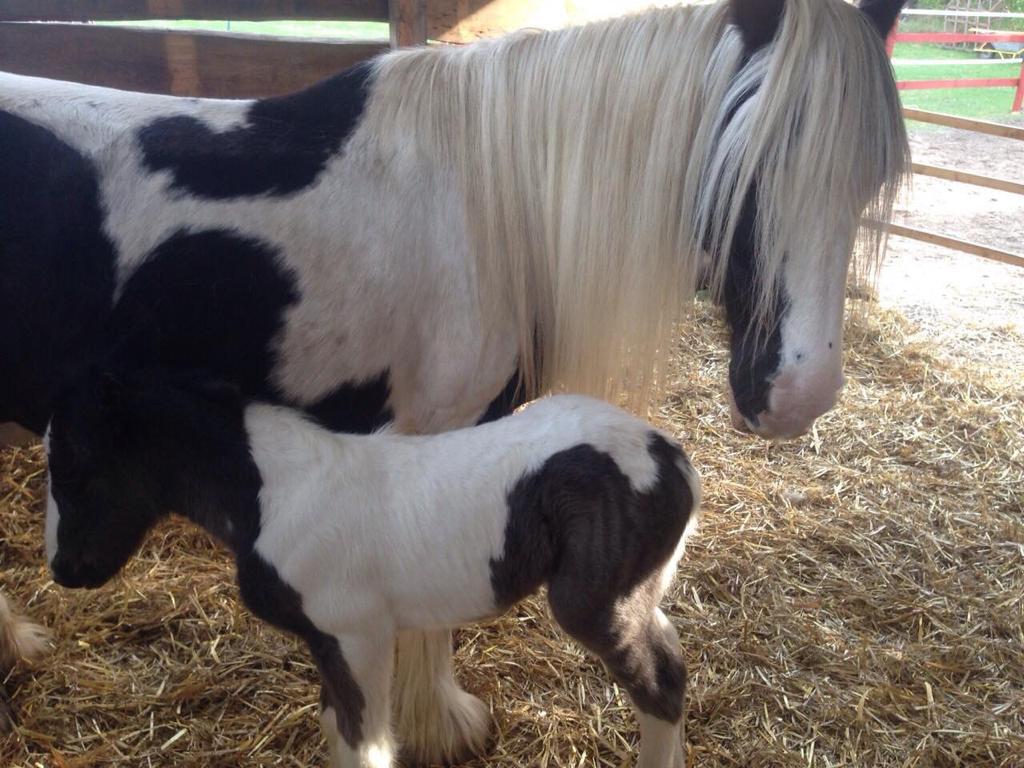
{"x": 216, "y": 485}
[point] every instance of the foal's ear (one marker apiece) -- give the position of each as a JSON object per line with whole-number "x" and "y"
{"x": 882, "y": 13}
{"x": 757, "y": 20}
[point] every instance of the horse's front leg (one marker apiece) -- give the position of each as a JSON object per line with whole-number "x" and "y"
{"x": 20, "y": 639}
{"x": 438, "y": 722}
{"x": 355, "y": 717}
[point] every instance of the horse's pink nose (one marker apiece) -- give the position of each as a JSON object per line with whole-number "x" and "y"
{"x": 794, "y": 403}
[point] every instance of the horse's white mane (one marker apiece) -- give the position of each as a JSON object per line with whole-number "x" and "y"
{"x": 592, "y": 158}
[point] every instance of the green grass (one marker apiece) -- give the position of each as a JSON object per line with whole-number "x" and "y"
{"x": 965, "y": 102}
{"x": 334, "y": 30}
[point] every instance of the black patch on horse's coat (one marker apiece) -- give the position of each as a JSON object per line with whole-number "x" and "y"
{"x": 361, "y": 407}
{"x": 755, "y": 356}
{"x": 578, "y": 524}
{"x": 210, "y": 301}
{"x": 274, "y": 601}
{"x": 285, "y": 145}
{"x": 56, "y": 266}
{"x": 510, "y": 398}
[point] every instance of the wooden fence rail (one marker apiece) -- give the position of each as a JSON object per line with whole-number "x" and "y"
{"x": 963, "y": 177}
{"x": 192, "y": 63}
{"x": 964, "y": 246}
{"x": 180, "y": 63}
{"x": 954, "y": 37}
{"x": 964, "y": 123}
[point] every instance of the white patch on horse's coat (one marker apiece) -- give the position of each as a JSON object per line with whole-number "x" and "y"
{"x": 52, "y": 511}
{"x": 90, "y": 117}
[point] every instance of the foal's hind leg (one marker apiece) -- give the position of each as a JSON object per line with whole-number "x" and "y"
{"x": 638, "y": 646}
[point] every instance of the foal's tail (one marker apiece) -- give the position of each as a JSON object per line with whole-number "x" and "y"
{"x": 20, "y": 639}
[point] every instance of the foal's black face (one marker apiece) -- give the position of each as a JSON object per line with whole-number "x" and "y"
{"x": 101, "y": 500}
{"x": 126, "y": 448}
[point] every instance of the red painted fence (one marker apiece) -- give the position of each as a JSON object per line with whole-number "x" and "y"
{"x": 952, "y": 37}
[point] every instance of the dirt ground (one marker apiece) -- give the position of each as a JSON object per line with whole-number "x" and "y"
{"x": 971, "y": 308}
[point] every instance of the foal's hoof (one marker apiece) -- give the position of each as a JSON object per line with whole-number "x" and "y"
{"x": 453, "y": 734}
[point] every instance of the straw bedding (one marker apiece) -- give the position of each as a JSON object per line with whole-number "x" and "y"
{"x": 854, "y": 598}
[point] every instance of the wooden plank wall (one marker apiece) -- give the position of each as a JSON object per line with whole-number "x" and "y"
{"x": 225, "y": 65}
{"x": 186, "y": 63}
{"x": 183, "y": 64}
{"x": 249, "y": 10}
{"x": 218, "y": 64}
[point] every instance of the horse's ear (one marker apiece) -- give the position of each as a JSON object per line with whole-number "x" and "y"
{"x": 882, "y": 13}
{"x": 757, "y": 20}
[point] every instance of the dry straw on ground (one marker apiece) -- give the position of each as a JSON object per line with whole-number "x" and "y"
{"x": 854, "y": 598}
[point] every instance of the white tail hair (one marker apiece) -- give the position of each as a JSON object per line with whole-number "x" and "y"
{"x": 593, "y": 159}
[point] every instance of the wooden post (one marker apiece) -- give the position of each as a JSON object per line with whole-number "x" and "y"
{"x": 408, "y": 22}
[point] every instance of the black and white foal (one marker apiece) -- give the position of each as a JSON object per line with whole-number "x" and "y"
{"x": 346, "y": 540}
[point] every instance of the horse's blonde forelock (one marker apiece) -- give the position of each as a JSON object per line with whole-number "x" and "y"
{"x": 593, "y": 160}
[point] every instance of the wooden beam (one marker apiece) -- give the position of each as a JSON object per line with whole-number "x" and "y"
{"x": 235, "y": 10}
{"x": 964, "y": 246}
{"x": 408, "y": 20}
{"x": 964, "y": 177}
{"x": 179, "y": 63}
{"x": 964, "y": 123}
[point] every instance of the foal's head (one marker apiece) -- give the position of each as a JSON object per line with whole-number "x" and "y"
{"x": 124, "y": 449}
{"x": 808, "y": 139}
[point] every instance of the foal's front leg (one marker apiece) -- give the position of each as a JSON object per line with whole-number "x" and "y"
{"x": 355, "y": 672}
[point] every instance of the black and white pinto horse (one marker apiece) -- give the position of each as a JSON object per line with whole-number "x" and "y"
{"x": 422, "y": 239}
{"x": 345, "y": 540}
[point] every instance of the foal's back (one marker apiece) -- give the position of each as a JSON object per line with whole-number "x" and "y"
{"x": 454, "y": 527}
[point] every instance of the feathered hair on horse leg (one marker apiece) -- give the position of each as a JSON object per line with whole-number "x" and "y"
{"x": 20, "y": 639}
